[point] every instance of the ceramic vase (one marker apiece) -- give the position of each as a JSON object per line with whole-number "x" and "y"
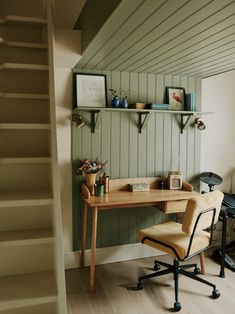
{"x": 90, "y": 181}
{"x": 115, "y": 102}
{"x": 124, "y": 103}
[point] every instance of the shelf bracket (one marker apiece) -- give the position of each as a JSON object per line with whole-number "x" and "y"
{"x": 182, "y": 123}
{"x": 94, "y": 119}
{"x": 142, "y": 123}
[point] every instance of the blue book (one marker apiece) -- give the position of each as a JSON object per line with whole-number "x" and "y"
{"x": 158, "y": 106}
{"x": 190, "y": 102}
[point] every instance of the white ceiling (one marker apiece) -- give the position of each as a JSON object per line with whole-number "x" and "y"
{"x": 67, "y": 12}
{"x": 183, "y": 37}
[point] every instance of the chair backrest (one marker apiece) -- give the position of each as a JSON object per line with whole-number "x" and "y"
{"x": 198, "y": 204}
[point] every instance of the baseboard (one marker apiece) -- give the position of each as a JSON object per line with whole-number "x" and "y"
{"x": 111, "y": 255}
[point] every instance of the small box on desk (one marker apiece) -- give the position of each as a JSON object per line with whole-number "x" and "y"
{"x": 138, "y": 187}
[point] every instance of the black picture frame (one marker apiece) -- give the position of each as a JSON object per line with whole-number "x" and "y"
{"x": 89, "y": 90}
{"x": 175, "y": 97}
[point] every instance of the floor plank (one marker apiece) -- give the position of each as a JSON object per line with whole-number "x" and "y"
{"x": 115, "y": 290}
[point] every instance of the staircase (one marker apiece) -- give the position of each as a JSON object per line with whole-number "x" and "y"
{"x": 31, "y": 254}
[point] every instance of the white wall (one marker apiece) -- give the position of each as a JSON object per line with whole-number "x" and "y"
{"x": 67, "y": 52}
{"x": 66, "y": 55}
{"x": 217, "y": 141}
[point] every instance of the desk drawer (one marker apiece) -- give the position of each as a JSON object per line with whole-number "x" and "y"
{"x": 169, "y": 207}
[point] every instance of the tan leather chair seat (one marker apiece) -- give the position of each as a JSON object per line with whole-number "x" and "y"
{"x": 171, "y": 233}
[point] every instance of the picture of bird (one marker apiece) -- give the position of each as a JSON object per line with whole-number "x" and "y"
{"x": 176, "y": 97}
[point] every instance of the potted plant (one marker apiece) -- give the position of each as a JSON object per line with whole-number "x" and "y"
{"x": 90, "y": 168}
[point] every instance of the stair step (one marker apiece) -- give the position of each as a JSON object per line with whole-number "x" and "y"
{"x": 30, "y": 198}
{"x": 26, "y": 237}
{"x": 25, "y": 126}
{"x": 27, "y": 290}
{"x": 13, "y": 19}
{"x": 25, "y": 160}
{"x": 21, "y": 44}
{"x": 22, "y": 66}
{"x": 48, "y": 308}
{"x": 23, "y": 96}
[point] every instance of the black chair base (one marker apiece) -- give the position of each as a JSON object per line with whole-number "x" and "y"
{"x": 177, "y": 269}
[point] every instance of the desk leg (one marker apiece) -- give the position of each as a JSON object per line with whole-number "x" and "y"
{"x": 93, "y": 247}
{"x": 202, "y": 262}
{"x": 84, "y": 235}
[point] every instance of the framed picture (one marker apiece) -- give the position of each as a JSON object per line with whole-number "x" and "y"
{"x": 90, "y": 90}
{"x": 175, "y": 96}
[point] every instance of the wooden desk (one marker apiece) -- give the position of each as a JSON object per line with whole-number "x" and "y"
{"x": 169, "y": 201}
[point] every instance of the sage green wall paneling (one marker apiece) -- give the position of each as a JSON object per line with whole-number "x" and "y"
{"x": 197, "y": 139}
{"x": 191, "y": 134}
{"x": 159, "y": 148}
{"x": 133, "y": 151}
{"x": 150, "y": 140}
{"x": 167, "y": 126}
{"x": 175, "y": 132}
{"x": 183, "y": 140}
{"x": 159, "y": 118}
{"x": 124, "y": 129}
{"x": 142, "y": 157}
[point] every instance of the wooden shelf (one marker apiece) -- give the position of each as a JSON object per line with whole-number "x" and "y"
{"x": 23, "y": 67}
{"x": 145, "y": 113}
{"x": 26, "y": 237}
{"x": 28, "y": 289}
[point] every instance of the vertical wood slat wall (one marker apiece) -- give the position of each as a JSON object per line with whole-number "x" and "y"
{"x": 158, "y": 149}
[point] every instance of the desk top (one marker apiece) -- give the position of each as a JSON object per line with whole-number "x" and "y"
{"x": 138, "y": 199}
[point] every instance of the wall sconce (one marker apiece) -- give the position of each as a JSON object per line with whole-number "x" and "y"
{"x": 200, "y": 124}
{"x": 78, "y": 120}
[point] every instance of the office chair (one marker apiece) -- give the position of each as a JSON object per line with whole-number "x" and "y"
{"x": 185, "y": 240}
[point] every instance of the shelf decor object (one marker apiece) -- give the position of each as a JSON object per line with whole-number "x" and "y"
{"x": 175, "y": 96}
{"x": 89, "y": 90}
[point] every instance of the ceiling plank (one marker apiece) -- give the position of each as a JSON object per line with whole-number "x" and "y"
{"x": 108, "y": 30}
{"x": 183, "y": 37}
{"x": 126, "y": 30}
{"x": 166, "y": 41}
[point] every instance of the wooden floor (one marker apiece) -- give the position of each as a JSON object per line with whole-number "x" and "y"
{"x": 116, "y": 293}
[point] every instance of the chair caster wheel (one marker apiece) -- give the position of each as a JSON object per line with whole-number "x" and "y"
{"x": 156, "y": 266}
{"x": 215, "y": 294}
{"x": 177, "y": 306}
{"x": 140, "y": 285}
{"x": 197, "y": 270}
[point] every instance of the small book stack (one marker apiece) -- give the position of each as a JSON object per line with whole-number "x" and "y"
{"x": 158, "y": 106}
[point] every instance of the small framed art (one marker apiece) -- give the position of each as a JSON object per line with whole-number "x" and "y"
{"x": 175, "y": 97}
{"x": 90, "y": 90}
